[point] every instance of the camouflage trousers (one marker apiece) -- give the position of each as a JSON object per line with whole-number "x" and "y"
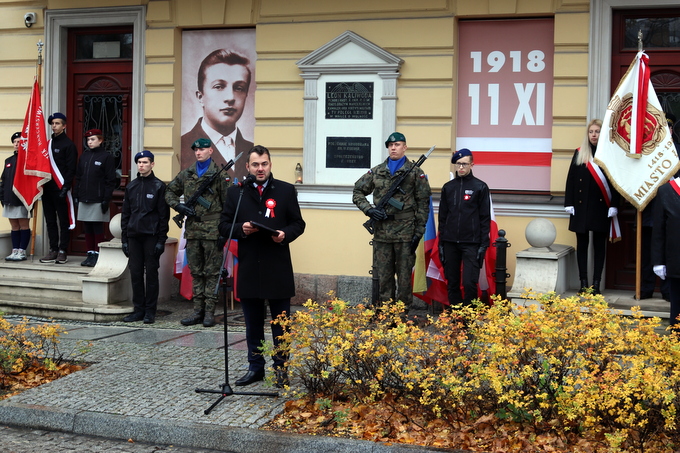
{"x": 390, "y": 259}
{"x": 205, "y": 264}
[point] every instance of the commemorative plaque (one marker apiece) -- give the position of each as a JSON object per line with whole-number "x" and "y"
{"x": 348, "y": 152}
{"x": 349, "y": 101}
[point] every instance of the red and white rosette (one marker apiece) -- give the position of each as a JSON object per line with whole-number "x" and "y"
{"x": 270, "y": 204}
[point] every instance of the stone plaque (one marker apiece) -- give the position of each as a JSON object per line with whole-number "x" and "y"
{"x": 349, "y": 101}
{"x": 348, "y": 152}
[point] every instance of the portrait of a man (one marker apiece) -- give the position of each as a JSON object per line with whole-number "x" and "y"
{"x": 219, "y": 96}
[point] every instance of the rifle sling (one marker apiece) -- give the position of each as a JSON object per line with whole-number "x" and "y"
{"x": 401, "y": 215}
{"x": 206, "y": 218}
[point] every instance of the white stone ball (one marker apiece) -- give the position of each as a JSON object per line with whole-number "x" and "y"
{"x": 540, "y": 233}
{"x": 114, "y": 226}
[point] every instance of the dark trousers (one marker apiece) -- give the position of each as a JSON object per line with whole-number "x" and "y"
{"x": 648, "y": 277}
{"x": 674, "y": 284}
{"x": 143, "y": 261}
{"x": 599, "y": 250}
{"x": 255, "y": 312}
{"x": 466, "y": 254}
{"x": 55, "y": 207}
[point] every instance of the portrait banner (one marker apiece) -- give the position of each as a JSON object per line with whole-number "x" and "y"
{"x": 635, "y": 148}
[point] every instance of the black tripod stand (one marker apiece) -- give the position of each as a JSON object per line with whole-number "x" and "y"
{"x": 226, "y": 388}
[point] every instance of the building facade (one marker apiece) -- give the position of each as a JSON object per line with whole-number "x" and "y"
{"x": 516, "y": 81}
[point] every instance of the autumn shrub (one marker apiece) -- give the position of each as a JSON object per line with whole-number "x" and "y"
{"x": 565, "y": 365}
{"x": 23, "y": 345}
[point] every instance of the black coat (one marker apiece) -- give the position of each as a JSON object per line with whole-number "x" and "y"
{"x": 265, "y": 268}
{"x": 65, "y": 157}
{"x": 665, "y": 244}
{"x": 145, "y": 211}
{"x": 7, "y": 195}
{"x": 465, "y": 211}
{"x": 583, "y": 193}
{"x": 95, "y": 177}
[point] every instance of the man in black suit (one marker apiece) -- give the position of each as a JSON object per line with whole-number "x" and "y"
{"x": 265, "y": 267}
{"x": 223, "y": 83}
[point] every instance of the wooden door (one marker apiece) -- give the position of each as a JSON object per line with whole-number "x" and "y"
{"x": 661, "y": 31}
{"x": 99, "y": 84}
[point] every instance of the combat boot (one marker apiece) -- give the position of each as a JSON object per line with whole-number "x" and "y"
{"x": 195, "y": 318}
{"x": 209, "y": 319}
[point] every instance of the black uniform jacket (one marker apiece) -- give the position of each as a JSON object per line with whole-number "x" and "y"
{"x": 95, "y": 177}
{"x": 7, "y": 195}
{"x": 665, "y": 243}
{"x": 465, "y": 211}
{"x": 145, "y": 211}
{"x": 65, "y": 155}
{"x": 265, "y": 268}
{"x": 590, "y": 206}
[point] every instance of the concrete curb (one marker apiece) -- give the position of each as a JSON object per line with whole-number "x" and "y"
{"x": 186, "y": 434}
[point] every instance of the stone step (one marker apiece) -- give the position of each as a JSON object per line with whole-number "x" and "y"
{"x": 62, "y": 309}
{"x": 71, "y": 272}
{"x": 41, "y": 288}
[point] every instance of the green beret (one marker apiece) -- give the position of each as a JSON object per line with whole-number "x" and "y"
{"x": 201, "y": 143}
{"x": 395, "y": 137}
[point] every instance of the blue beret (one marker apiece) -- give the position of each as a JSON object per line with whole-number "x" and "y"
{"x": 56, "y": 116}
{"x": 15, "y": 136}
{"x": 460, "y": 154}
{"x": 395, "y": 137}
{"x": 145, "y": 153}
{"x": 201, "y": 143}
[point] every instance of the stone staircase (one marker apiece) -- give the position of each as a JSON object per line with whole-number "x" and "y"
{"x": 67, "y": 291}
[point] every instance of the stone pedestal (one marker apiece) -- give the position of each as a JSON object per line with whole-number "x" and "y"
{"x": 543, "y": 269}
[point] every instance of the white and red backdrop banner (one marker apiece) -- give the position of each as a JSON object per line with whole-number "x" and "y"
{"x": 505, "y": 98}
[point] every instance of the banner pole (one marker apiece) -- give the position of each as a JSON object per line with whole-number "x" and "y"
{"x": 638, "y": 254}
{"x": 35, "y": 205}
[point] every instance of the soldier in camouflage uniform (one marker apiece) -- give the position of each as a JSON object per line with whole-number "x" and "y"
{"x": 397, "y": 232}
{"x": 203, "y": 252}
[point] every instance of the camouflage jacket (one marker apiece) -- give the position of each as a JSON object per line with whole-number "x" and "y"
{"x": 415, "y": 196}
{"x": 204, "y": 224}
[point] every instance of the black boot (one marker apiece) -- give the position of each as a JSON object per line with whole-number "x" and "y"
{"x": 584, "y": 286}
{"x": 596, "y": 287}
{"x": 195, "y": 318}
{"x": 209, "y": 319}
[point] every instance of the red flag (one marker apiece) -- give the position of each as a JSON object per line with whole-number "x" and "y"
{"x": 33, "y": 162}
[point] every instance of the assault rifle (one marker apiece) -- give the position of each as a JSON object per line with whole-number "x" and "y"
{"x": 388, "y": 198}
{"x": 197, "y": 197}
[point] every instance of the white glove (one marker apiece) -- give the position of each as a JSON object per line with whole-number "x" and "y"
{"x": 569, "y": 210}
{"x": 660, "y": 270}
{"x": 612, "y": 212}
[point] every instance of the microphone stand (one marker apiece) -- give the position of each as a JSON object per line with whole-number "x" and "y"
{"x": 226, "y": 389}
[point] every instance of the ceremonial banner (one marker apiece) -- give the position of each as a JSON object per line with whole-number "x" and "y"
{"x": 33, "y": 164}
{"x": 635, "y": 148}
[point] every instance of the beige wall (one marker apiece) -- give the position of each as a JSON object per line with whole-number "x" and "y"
{"x": 423, "y": 33}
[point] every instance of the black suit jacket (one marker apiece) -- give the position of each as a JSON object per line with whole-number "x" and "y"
{"x": 665, "y": 244}
{"x": 265, "y": 269}
{"x": 241, "y": 145}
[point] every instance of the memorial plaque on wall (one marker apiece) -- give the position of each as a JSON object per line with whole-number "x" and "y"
{"x": 348, "y": 152}
{"x": 349, "y": 101}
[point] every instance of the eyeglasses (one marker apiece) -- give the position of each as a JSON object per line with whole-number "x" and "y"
{"x": 462, "y": 164}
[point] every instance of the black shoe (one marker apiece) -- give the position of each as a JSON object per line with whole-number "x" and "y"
{"x": 646, "y": 295}
{"x": 666, "y": 297}
{"x": 133, "y": 317}
{"x": 249, "y": 378}
{"x": 195, "y": 318}
{"x": 87, "y": 262}
{"x": 148, "y": 319}
{"x": 584, "y": 286}
{"x": 209, "y": 319}
{"x": 281, "y": 379}
{"x": 596, "y": 287}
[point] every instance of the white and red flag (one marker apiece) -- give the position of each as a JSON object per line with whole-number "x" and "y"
{"x": 635, "y": 148}
{"x": 33, "y": 162}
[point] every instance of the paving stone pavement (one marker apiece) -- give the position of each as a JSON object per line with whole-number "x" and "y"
{"x": 22, "y": 440}
{"x": 141, "y": 385}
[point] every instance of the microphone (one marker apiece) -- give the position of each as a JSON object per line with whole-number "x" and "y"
{"x": 248, "y": 180}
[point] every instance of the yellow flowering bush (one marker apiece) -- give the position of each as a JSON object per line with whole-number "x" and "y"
{"x": 22, "y": 345}
{"x": 569, "y": 366}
